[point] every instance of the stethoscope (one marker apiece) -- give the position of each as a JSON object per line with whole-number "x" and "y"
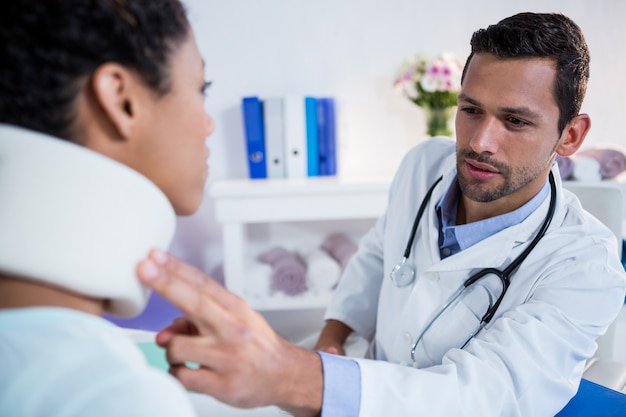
{"x": 403, "y": 274}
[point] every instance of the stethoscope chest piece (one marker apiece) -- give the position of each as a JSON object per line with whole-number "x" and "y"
{"x": 402, "y": 274}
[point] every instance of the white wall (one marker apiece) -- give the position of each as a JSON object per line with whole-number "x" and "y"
{"x": 350, "y": 49}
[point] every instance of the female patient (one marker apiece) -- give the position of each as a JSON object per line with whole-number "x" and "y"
{"x": 102, "y": 142}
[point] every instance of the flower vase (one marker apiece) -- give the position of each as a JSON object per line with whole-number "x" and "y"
{"x": 438, "y": 120}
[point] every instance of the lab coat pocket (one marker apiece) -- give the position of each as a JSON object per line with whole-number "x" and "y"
{"x": 454, "y": 324}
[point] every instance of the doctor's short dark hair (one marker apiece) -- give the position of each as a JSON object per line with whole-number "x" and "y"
{"x": 542, "y": 35}
{"x": 50, "y": 49}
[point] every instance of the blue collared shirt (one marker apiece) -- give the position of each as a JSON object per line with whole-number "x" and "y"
{"x": 454, "y": 238}
{"x": 342, "y": 376}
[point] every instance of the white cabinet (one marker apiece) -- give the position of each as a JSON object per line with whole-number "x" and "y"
{"x": 293, "y": 213}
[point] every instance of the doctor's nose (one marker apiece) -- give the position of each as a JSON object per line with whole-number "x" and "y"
{"x": 486, "y": 136}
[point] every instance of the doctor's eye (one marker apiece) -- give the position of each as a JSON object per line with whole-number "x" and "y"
{"x": 470, "y": 110}
{"x": 517, "y": 122}
{"x": 205, "y": 87}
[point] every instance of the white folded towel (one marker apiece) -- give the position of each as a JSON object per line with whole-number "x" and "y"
{"x": 257, "y": 276}
{"x": 586, "y": 169}
{"x": 323, "y": 271}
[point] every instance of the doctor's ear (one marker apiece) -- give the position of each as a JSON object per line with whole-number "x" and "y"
{"x": 573, "y": 135}
{"x": 114, "y": 88}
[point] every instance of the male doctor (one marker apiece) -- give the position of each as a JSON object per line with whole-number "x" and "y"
{"x": 486, "y": 303}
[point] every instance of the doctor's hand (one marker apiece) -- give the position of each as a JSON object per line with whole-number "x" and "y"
{"x": 243, "y": 362}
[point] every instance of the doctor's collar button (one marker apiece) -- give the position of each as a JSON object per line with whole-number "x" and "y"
{"x": 446, "y": 251}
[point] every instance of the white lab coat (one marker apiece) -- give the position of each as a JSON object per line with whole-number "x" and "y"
{"x": 529, "y": 360}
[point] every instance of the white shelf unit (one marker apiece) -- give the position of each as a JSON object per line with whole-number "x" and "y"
{"x": 287, "y": 212}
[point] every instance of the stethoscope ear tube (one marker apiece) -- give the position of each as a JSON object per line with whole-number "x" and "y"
{"x": 420, "y": 212}
{"x": 506, "y": 274}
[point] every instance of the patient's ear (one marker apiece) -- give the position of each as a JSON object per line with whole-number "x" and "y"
{"x": 573, "y": 135}
{"x": 115, "y": 89}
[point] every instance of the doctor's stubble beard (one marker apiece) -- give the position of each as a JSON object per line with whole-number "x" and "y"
{"x": 514, "y": 179}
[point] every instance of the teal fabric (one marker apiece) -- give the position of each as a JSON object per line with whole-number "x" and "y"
{"x": 156, "y": 357}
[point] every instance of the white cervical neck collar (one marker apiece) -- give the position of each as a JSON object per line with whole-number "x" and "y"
{"x": 76, "y": 219}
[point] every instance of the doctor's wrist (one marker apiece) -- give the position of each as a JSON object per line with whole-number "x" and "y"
{"x": 301, "y": 383}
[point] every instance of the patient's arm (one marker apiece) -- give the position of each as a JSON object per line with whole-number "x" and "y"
{"x": 333, "y": 337}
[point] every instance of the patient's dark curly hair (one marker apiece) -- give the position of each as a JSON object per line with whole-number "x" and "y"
{"x": 542, "y": 35}
{"x": 49, "y": 49}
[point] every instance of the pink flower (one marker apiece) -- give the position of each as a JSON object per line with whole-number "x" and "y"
{"x": 423, "y": 78}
